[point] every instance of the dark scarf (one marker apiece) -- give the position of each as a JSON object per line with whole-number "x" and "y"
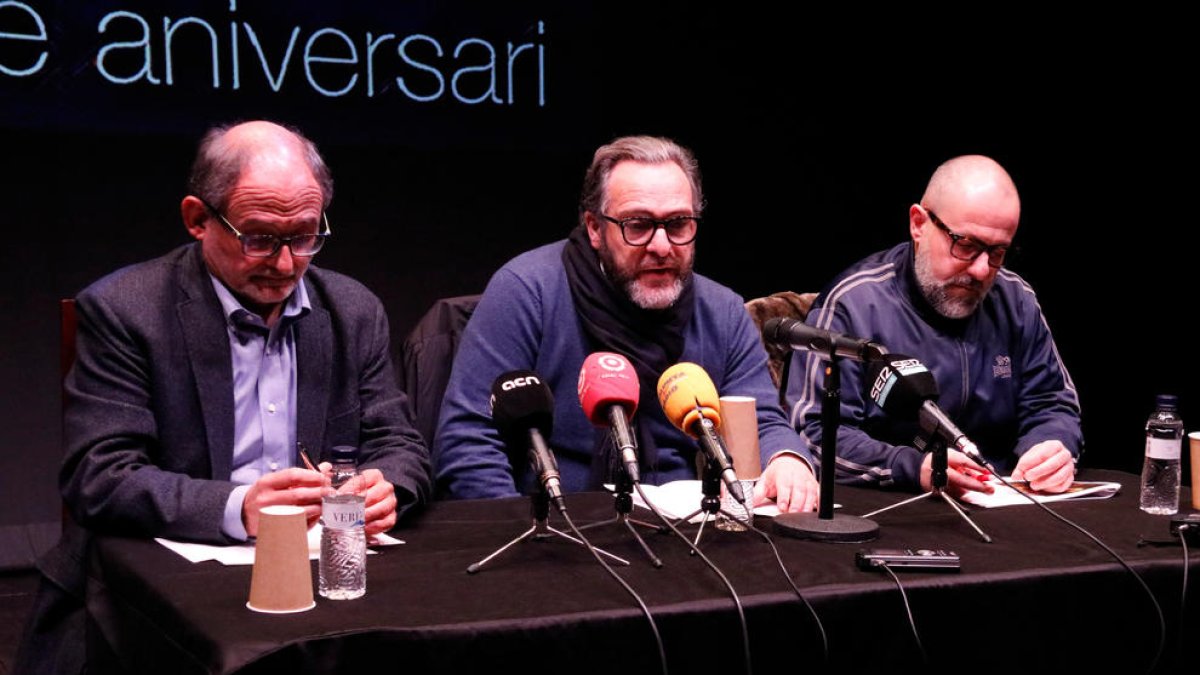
{"x": 652, "y": 340}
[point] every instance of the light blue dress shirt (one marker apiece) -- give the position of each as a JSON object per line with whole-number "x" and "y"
{"x": 264, "y": 395}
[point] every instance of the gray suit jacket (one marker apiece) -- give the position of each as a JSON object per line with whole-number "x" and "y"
{"x": 148, "y": 426}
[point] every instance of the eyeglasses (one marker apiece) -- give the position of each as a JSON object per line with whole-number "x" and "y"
{"x": 968, "y": 249}
{"x": 267, "y": 245}
{"x": 639, "y": 230}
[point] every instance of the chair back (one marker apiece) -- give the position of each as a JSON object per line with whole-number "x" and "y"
{"x": 66, "y": 359}
{"x": 785, "y": 304}
{"x": 66, "y": 336}
{"x": 427, "y": 356}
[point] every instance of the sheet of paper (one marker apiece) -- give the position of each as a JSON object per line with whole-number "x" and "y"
{"x": 1009, "y": 496}
{"x": 243, "y": 554}
{"x": 681, "y": 497}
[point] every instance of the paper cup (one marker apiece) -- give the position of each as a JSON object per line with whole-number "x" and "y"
{"x": 739, "y": 428}
{"x": 282, "y": 579}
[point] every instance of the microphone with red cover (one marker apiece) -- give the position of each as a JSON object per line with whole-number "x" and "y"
{"x": 608, "y": 392}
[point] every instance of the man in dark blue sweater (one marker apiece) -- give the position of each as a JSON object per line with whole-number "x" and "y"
{"x": 622, "y": 282}
{"x": 945, "y": 299}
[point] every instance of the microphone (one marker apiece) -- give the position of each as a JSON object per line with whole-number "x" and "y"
{"x": 690, "y": 401}
{"x": 523, "y": 411}
{"x": 801, "y": 336}
{"x": 608, "y": 392}
{"x": 904, "y": 388}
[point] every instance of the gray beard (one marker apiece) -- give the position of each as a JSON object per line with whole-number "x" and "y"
{"x": 653, "y": 298}
{"x": 938, "y": 295}
{"x": 646, "y": 298}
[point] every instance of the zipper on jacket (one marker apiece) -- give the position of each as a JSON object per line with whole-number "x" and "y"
{"x": 966, "y": 378}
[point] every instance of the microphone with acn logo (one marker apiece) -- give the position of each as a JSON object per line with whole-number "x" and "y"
{"x": 523, "y": 411}
{"x": 608, "y": 392}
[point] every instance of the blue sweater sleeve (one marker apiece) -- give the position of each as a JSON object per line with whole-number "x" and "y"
{"x": 746, "y": 374}
{"x": 503, "y": 334}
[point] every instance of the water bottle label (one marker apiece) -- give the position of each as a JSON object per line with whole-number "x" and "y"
{"x": 1163, "y": 448}
{"x": 343, "y": 516}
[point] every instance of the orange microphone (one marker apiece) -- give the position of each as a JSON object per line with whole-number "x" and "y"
{"x": 690, "y": 401}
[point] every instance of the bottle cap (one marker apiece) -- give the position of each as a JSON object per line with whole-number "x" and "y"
{"x": 344, "y": 453}
{"x": 1167, "y": 401}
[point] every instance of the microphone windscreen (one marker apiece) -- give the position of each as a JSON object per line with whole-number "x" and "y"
{"x": 521, "y": 401}
{"x": 607, "y": 379}
{"x": 686, "y": 393}
{"x": 899, "y": 384}
{"x": 775, "y": 329}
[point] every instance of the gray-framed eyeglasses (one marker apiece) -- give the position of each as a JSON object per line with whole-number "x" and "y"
{"x": 967, "y": 249}
{"x": 639, "y": 230}
{"x": 267, "y": 245}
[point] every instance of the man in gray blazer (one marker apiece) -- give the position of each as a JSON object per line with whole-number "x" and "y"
{"x": 200, "y": 375}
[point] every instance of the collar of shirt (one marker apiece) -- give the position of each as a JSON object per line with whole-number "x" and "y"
{"x": 238, "y": 318}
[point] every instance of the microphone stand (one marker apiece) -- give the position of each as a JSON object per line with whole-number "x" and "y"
{"x": 539, "y": 506}
{"x": 623, "y": 501}
{"x": 938, "y": 481}
{"x": 825, "y": 525}
{"x": 710, "y": 503}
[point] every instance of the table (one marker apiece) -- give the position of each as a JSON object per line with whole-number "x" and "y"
{"x": 1041, "y": 597}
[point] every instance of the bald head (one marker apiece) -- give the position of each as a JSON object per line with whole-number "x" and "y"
{"x": 961, "y": 232}
{"x": 973, "y": 186}
{"x": 227, "y": 153}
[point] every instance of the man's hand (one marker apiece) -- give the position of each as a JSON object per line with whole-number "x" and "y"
{"x": 381, "y": 502}
{"x": 1048, "y": 466}
{"x": 962, "y": 474}
{"x": 788, "y": 480}
{"x": 380, "y": 514}
{"x": 294, "y": 487}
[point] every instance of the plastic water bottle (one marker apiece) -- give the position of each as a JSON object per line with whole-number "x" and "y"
{"x": 1164, "y": 442}
{"x": 343, "y": 565}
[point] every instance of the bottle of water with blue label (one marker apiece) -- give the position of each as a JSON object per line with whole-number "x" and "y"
{"x": 343, "y": 566}
{"x": 1164, "y": 443}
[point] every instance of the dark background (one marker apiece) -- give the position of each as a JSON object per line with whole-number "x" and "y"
{"x": 814, "y": 133}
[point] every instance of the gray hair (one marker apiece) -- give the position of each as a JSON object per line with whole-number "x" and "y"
{"x": 644, "y": 149}
{"x": 219, "y": 164}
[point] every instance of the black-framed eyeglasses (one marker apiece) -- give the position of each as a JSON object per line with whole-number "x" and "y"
{"x": 639, "y": 230}
{"x": 968, "y": 249}
{"x": 267, "y": 245}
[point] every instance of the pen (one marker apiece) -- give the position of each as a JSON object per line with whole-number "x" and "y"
{"x": 305, "y": 458}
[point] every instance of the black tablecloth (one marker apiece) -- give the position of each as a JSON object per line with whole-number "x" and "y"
{"x": 1041, "y": 597}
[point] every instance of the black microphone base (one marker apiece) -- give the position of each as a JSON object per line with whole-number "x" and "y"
{"x": 841, "y": 528}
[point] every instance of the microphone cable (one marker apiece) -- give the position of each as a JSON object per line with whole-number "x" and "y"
{"x": 1162, "y": 623}
{"x": 786, "y": 575}
{"x": 662, "y": 653}
{"x": 1182, "y": 532}
{"x": 737, "y": 602}
{"x": 912, "y": 623}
